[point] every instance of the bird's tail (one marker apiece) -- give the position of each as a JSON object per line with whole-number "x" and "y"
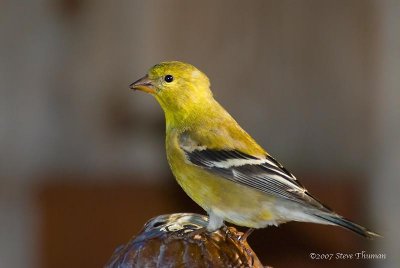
{"x": 336, "y": 219}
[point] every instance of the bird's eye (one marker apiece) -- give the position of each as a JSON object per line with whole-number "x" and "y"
{"x": 168, "y": 78}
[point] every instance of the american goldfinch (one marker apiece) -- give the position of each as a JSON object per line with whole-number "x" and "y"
{"x": 219, "y": 165}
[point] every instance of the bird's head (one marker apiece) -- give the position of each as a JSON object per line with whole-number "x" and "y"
{"x": 177, "y": 86}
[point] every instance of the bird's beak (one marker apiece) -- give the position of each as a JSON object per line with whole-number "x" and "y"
{"x": 143, "y": 84}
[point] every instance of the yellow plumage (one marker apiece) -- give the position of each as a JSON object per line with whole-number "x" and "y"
{"x": 219, "y": 165}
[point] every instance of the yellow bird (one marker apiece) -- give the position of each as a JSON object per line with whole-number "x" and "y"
{"x": 219, "y": 165}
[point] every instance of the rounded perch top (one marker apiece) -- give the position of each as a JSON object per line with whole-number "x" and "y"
{"x": 181, "y": 240}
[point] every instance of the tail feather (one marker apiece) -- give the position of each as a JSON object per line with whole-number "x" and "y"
{"x": 345, "y": 223}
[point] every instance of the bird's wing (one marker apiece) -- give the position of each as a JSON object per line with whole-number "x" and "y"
{"x": 264, "y": 174}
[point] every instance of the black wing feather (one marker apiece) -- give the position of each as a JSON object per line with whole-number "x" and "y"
{"x": 269, "y": 177}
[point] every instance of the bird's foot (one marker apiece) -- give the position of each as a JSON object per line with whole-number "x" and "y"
{"x": 243, "y": 238}
{"x": 195, "y": 233}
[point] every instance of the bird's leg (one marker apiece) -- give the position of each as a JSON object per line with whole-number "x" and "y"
{"x": 214, "y": 222}
{"x": 244, "y": 237}
{"x": 243, "y": 242}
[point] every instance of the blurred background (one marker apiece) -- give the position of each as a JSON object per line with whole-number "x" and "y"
{"x": 83, "y": 165}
